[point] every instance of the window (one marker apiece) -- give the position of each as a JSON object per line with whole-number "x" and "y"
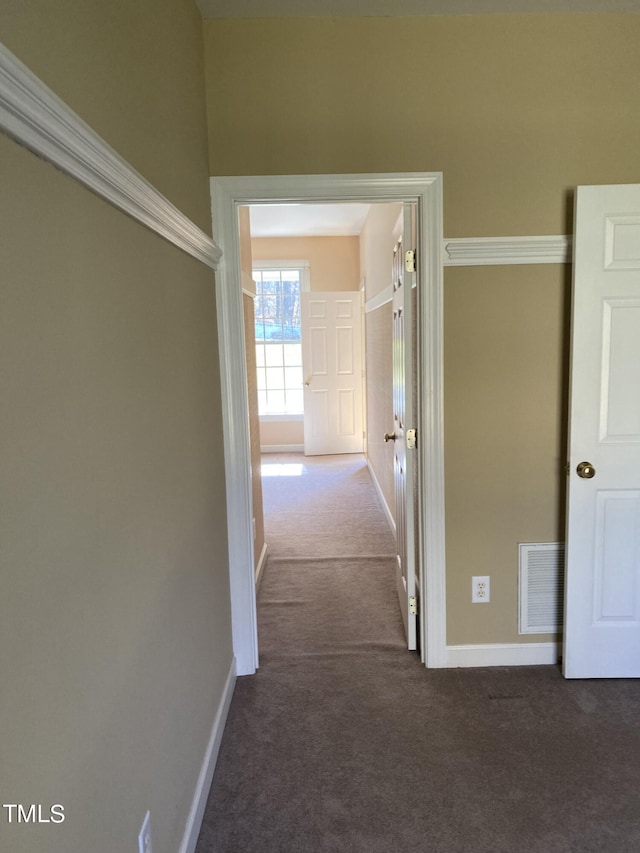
{"x": 278, "y": 337}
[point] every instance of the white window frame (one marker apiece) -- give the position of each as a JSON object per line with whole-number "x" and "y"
{"x": 305, "y": 285}
{"x": 304, "y": 266}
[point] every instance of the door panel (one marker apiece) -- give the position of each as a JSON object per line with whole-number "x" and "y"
{"x": 403, "y": 419}
{"x": 602, "y": 622}
{"x": 332, "y": 368}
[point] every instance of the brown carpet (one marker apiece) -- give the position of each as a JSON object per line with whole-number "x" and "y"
{"x": 344, "y": 742}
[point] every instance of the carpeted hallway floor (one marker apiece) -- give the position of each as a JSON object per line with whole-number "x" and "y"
{"x": 343, "y": 741}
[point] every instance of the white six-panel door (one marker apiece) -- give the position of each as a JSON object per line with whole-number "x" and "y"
{"x": 602, "y": 620}
{"x": 332, "y": 370}
{"x": 404, "y": 472}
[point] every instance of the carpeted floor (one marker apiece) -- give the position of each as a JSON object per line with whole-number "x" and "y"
{"x": 343, "y": 741}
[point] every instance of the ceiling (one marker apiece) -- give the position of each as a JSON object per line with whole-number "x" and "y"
{"x": 307, "y": 220}
{"x": 399, "y": 8}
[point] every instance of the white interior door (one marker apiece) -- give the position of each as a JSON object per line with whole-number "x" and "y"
{"x": 602, "y": 619}
{"x": 332, "y": 370}
{"x": 403, "y": 421}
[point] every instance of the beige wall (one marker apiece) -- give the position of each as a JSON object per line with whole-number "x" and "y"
{"x": 377, "y": 240}
{"x": 274, "y": 433}
{"x": 380, "y": 400}
{"x": 115, "y": 636}
{"x": 333, "y": 261}
{"x": 248, "y": 284}
{"x": 515, "y": 111}
{"x": 246, "y": 258}
{"x": 134, "y": 73}
{"x": 254, "y": 426}
{"x": 506, "y": 364}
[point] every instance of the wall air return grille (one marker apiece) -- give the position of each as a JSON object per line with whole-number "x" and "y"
{"x": 541, "y": 587}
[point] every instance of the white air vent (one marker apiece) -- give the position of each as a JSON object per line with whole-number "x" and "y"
{"x": 541, "y": 587}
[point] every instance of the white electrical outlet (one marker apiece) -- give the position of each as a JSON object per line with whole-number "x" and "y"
{"x": 144, "y": 836}
{"x": 480, "y": 590}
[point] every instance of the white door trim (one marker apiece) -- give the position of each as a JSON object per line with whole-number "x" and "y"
{"x": 227, "y": 193}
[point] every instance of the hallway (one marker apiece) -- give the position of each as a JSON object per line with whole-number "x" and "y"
{"x": 330, "y": 551}
{"x": 343, "y": 743}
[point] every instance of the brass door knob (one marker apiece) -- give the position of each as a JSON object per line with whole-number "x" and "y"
{"x": 586, "y": 470}
{"x": 389, "y": 436}
{"x": 307, "y": 383}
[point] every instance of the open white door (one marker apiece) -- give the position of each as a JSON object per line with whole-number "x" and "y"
{"x": 404, "y": 425}
{"x": 332, "y": 370}
{"x": 602, "y": 619}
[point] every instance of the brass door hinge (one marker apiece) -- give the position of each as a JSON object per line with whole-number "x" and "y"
{"x": 410, "y": 260}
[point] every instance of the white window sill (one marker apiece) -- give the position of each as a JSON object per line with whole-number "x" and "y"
{"x": 280, "y": 418}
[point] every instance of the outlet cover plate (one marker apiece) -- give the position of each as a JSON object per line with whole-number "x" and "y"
{"x": 480, "y": 589}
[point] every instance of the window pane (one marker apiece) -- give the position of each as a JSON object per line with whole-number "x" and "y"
{"x": 292, "y": 354}
{"x": 275, "y": 378}
{"x": 272, "y": 355}
{"x": 293, "y": 377}
{"x": 278, "y": 341}
{"x": 291, "y": 308}
{"x": 270, "y": 306}
{"x": 295, "y": 403}
{"x": 276, "y": 402}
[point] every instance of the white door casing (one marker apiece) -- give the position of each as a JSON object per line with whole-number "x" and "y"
{"x": 404, "y": 474}
{"x": 227, "y": 194}
{"x": 602, "y": 618}
{"x": 332, "y": 370}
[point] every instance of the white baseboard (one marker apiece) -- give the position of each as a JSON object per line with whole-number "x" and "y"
{"x": 385, "y": 505}
{"x": 261, "y": 564}
{"x": 196, "y": 813}
{"x": 282, "y": 448}
{"x": 503, "y": 654}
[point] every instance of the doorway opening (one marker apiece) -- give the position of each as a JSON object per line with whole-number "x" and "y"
{"x": 317, "y": 298}
{"x": 297, "y": 261}
{"x": 425, "y": 191}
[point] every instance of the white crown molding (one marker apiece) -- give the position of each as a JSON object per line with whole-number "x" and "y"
{"x": 32, "y": 115}
{"x": 491, "y": 251}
